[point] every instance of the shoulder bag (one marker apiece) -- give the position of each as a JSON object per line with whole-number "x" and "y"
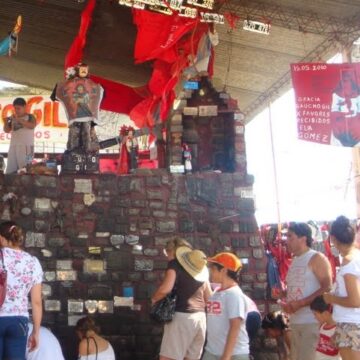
{"x": 3, "y": 280}
{"x": 163, "y": 311}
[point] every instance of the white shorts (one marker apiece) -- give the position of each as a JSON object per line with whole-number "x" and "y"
{"x": 184, "y": 336}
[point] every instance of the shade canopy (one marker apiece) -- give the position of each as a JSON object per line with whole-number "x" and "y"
{"x": 253, "y": 67}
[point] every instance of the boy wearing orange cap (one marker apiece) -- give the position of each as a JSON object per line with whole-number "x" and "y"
{"x": 227, "y": 338}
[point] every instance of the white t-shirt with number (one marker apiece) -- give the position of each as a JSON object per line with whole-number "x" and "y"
{"x": 23, "y": 272}
{"x": 223, "y": 306}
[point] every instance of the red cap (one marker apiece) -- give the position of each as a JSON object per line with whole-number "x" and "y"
{"x": 227, "y": 260}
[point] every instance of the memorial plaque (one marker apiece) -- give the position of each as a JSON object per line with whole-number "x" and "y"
{"x": 94, "y": 266}
{"x": 75, "y": 306}
{"x": 102, "y": 234}
{"x": 239, "y": 129}
{"x": 52, "y": 305}
{"x": 49, "y": 275}
{"x": 46, "y": 290}
{"x": 144, "y": 265}
{"x": 94, "y": 250}
{"x": 208, "y": 110}
{"x": 123, "y": 301}
{"x": 191, "y": 111}
{"x": 46, "y": 253}
{"x": 244, "y": 192}
{"x": 35, "y": 239}
{"x": 105, "y": 307}
{"x": 66, "y": 275}
{"x": 83, "y": 186}
{"x": 42, "y": 204}
{"x": 131, "y": 239}
{"x": 89, "y": 199}
{"x": 91, "y": 306}
{"x": 117, "y": 239}
{"x": 64, "y": 265}
{"x": 73, "y": 319}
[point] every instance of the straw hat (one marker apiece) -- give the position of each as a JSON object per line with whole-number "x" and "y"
{"x": 193, "y": 262}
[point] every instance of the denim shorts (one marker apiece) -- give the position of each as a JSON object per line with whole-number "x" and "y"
{"x": 13, "y": 336}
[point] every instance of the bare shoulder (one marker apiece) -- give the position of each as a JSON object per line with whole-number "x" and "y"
{"x": 320, "y": 265}
{"x": 318, "y": 258}
{"x": 83, "y": 347}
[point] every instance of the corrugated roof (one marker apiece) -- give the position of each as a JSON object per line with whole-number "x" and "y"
{"x": 253, "y": 67}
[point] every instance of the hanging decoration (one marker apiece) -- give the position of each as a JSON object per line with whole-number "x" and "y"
{"x": 75, "y": 54}
{"x": 9, "y": 45}
{"x": 257, "y": 26}
{"x": 232, "y": 19}
{"x": 114, "y": 91}
{"x": 176, "y": 7}
{"x": 327, "y": 102}
{"x": 171, "y": 42}
{"x": 275, "y": 245}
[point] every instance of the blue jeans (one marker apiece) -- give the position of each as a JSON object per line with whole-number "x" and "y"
{"x": 13, "y": 336}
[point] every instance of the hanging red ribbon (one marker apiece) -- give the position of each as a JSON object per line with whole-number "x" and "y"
{"x": 232, "y": 19}
{"x": 75, "y": 53}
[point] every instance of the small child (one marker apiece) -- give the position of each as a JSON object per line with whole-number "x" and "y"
{"x": 276, "y": 326}
{"x": 325, "y": 349}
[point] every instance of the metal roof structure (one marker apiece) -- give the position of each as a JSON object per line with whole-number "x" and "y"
{"x": 254, "y": 68}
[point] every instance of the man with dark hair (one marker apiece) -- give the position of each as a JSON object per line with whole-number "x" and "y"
{"x": 21, "y": 126}
{"x": 309, "y": 276}
{"x": 226, "y": 311}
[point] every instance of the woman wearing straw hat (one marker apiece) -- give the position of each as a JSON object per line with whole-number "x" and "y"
{"x": 227, "y": 338}
{"x": 184, "y": 336}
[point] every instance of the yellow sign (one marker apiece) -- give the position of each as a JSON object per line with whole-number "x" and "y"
{"x": 51, "y": 131}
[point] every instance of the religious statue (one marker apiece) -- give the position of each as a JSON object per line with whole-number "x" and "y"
{"x": 129, "y": 149}
{"x": 81, "y": 98}
{"x": 187, "y": 158}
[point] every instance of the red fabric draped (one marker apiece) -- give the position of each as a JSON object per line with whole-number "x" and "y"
{"x": 118, "y": 97}
{"x": 169, "y": 40}
{"x": 75, "y": 53}
{"x": 123, "y": 166}
{"x": 158, "y": 35}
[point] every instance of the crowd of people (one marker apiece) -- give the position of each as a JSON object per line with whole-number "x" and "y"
{"x": 214, "y": 319}
{"x": 318, "y": 320}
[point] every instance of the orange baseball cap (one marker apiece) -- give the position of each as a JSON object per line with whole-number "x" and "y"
{"x": 227, "y": 260}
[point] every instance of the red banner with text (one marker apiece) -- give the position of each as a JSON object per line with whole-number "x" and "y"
{"x": 327, "y": 102}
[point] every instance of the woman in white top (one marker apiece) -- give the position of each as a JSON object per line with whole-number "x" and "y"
{"x": 49, "y": 347}
{"x": 346, "y": 298}
{"x": 92, "y": 346}
{"x": 24, "y": 276}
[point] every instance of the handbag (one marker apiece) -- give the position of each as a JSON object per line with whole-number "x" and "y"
{"x": 3, "y": 280}
{"x": 163, "y": 311}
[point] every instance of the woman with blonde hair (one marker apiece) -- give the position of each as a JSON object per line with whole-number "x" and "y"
{"x": 24, "y": 276}
{"x": 92, "y": 346}
{"x": 187, "y": 274}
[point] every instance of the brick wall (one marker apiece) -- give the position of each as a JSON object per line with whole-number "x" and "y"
{"x": 100, "y": 237}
